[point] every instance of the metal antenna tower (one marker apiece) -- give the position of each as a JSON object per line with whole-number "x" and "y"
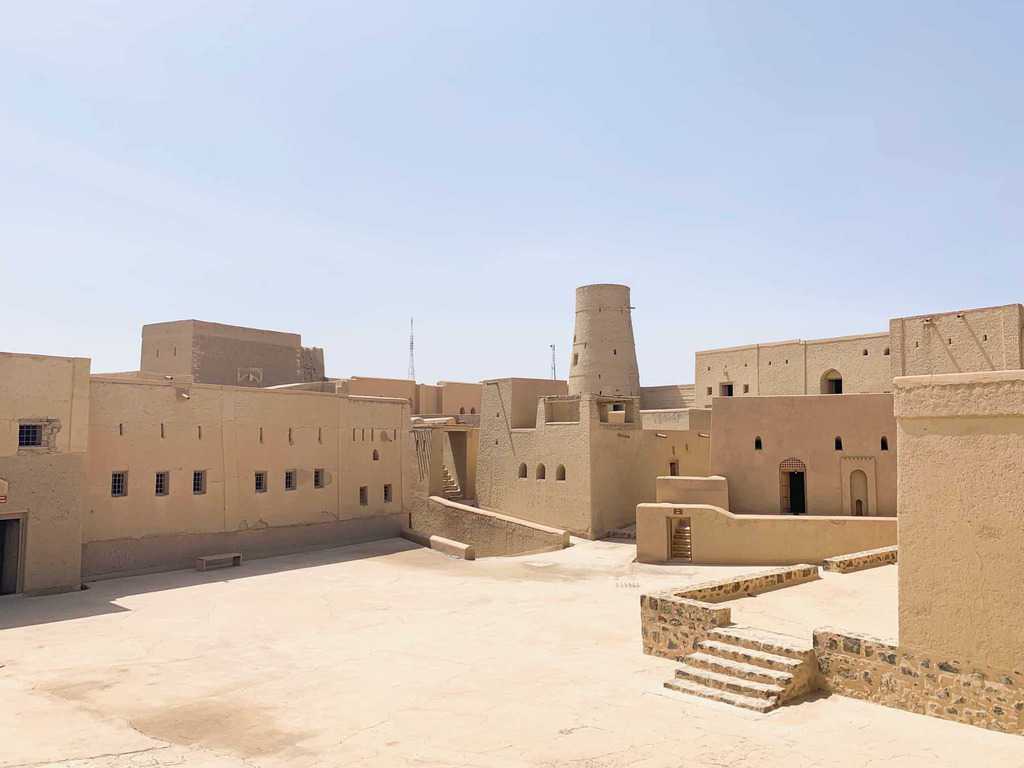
{"x": 412, "y": 356}
{"x": 554, "y": 370}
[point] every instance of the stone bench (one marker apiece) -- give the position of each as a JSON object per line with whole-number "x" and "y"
{"x": 223, "y": 560}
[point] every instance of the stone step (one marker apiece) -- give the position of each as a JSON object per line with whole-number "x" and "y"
{"x": 750, "y": 656}
{"x": 733, "y": 668}
{"x": 760, "y": 640}
{"x": 717, "y": 694}
{"x": 729, "y": 683}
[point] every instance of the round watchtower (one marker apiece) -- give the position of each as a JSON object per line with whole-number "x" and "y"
{"x": 603, "y": 351}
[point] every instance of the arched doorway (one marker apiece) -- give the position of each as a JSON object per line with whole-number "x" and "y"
{"x": 793, "y": 487}
{"x": 859, "y": 493}
{"x": 832, "y": 382}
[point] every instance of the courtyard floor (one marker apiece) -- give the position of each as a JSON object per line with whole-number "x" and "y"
{"x": 387, "y": 654}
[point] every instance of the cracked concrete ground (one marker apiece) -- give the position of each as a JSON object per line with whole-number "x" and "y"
{"x": 390, "y": 655}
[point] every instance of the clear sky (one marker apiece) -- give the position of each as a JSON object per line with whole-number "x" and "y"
{"x": 755, "y": 171}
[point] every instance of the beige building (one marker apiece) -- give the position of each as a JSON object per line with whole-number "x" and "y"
{"x": 446, "y": 398}
{"x": 986, "y": 339}
{"x": 580, "y": 454}
{"x": 44, "y": 436}
{"x": 814, "y": 454}
{"x": 212, "y": 353}
{"x": 806, "y": 427}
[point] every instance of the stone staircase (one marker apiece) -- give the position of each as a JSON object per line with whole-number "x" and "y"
{"x": 450, "y": 486}
{"x": 682, "y": 544}
{"x": 748, "y": 668}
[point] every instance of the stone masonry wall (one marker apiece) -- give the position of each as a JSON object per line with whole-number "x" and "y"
{"x": 860, "y": 561}
{"x": 672, "y": 622}
{"x": 875, "y": 670}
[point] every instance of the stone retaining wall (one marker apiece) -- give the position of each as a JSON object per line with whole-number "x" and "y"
{"x": 860, "y": 561}
{"x": 672, "y": 622}
{"x": 879, "y": 671}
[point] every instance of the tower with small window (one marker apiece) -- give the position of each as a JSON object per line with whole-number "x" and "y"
{"x": 603, "y": 360}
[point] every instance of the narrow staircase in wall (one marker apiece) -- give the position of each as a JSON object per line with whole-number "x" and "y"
{"x": 450, "y": 486}
{"x": 682, "y": 543}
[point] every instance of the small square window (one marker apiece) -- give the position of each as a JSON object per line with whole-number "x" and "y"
{"x": 261, "y": 482}
{"x": 30, "y": 435}
{"x": 746, "y": 389}
{"x": 387, "y": 493}
{"x": 199, "y": 482}
{"x": 291, "y": 480}
{"x": 709, "y": 390}
{"x": 364, "y": 495}
{"x": 163, "y": 483}
{"x": 118, "y": 483}
{"x": 318, "y": 478}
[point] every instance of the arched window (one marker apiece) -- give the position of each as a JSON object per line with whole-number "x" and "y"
{"x": 560, "y": 472}
{"x": 542, "y": 473}
{"x": 522, "y": 470}
{"x": 472, "y": 410}
{"x": 758, "y": 445}
{"x": 885, "y": 443}
{"x": 832, "y": 383}
{"x": 839, "y": 443}
{"x": 376, "y": 455}
{"x": 462, "y": 411}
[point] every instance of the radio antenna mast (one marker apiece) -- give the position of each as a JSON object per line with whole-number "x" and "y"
{"x": 412, "y": 353}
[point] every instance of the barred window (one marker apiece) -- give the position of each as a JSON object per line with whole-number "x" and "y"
{"x": 163, "y": 483}
{"x": 118, "y": 483}
{"x": 261, "y": 482}
{"x": 199, "y": 482}
{"x": 291, "y": 481}
{"x": 30, "y": 435}
{"x": 318, "y": 478}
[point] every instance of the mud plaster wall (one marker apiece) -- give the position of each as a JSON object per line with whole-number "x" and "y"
{"x": 961, "y": 496}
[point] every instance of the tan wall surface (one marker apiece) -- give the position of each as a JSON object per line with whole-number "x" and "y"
{"x": 713, "y": 490}
{"x": 795, "y": 367}
{"x": 610, "y": 467}
{"x": 561, "y": 504}
{"x": 970, "y": 340}
{"x": 214, "y": 353}
{"x": 44, "y": 484}
{"x": 961, "y": 496}
{"x": 459, "y": 397}
{"x": 489, "y": 534}
{"x": 805, "y": 428}
{"x": 667, "y": 396}
{"x": 719, "y": 537}
{"x": 145, "y": 428}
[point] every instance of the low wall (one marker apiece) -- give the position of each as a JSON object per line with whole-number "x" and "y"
{"x": 719, "y": 537}
{"x": 881, "y": 672}
{"x": 860, "y": 561}
{"x": 672, "y": 622}
{"x": 489, "y": 533}
{"x": 712, "y": 490}
{"x": 124, "y": 557}
{"x": 445, "y": 546}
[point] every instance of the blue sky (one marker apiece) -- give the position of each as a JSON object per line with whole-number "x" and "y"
{"x": 755, "y": 171}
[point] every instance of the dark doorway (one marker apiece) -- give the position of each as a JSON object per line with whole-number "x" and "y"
{"x": 797, "y": 496}
{"x": 793, "y": 487}
{"x": 10, "y": 555}
{"x": 673, "y": 468}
